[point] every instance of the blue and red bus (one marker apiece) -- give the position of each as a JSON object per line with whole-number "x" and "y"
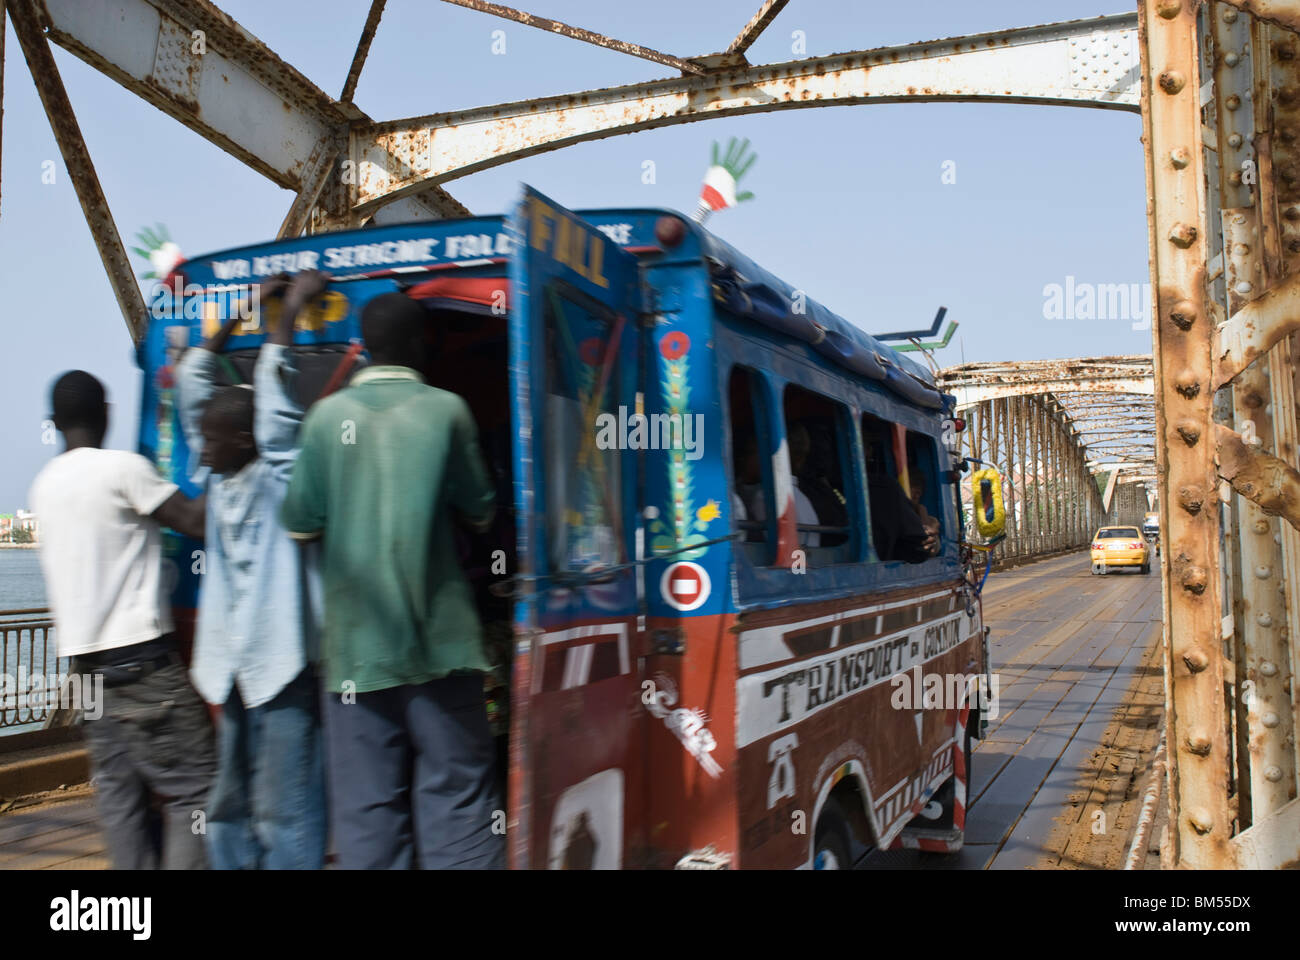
{"x": 707, "y": 654}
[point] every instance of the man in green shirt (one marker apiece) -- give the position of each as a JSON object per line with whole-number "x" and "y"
{"x": 385, "y": 468}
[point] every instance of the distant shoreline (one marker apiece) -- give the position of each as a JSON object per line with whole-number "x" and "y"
{"x": 19, "y": 546}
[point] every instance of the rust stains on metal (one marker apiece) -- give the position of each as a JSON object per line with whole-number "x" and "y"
{"x": 1171, "y": 118}
{"x": 578, "y": 33}
{"x": 363, "y": 49}
{"x": 1285, "y": 13}
{"x": 25, "y": 16}
{"x": 1260, "y": 477}
{"x": 757, "y": 24}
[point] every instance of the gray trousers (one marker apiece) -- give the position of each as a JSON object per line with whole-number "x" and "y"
{"x": 154, "y": 735}
{"x": 412, "y": 778}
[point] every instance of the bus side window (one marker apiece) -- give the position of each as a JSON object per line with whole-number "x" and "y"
{"x": 923, "y": 480}
{"x": 751, "y": 490}
{"x": 824, "y": 501}
{"x": 898, "y": 529}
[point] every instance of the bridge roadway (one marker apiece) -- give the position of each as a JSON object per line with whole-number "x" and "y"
{"x": 1081, "y": 704}
{"x": 1080, "y": 690}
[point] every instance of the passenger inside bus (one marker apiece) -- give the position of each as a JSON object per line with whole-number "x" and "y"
{"x": 819, "y": 480}
{"x": 897, "y": 529}
{"x": 916, "y": 477}
{"x": 821, "y": 508}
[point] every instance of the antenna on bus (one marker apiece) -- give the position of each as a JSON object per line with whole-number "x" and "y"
{"x": 913, "y": 337}
{"x": 719, "y": 188}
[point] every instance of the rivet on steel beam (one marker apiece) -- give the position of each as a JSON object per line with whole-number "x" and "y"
{"x": 1199, "y": 817}
{"x": 1231, "y": 59}
{"x": 1180, "y": 157}
{"x": 1183, "y": 314}
{"x": 1272, "y": 774}
{"x": 1234, "y": 178}
{"x": 1229, "y": 15}
{"x": 1293, "y": 244}
{"x": 1196, "y": 660}
{"x": 1194, "y": 580}
{"x": 1190, "y": 431}
{"x": 1269, "y": 720}
{"x": 1261, "y": 526}
{"x": 1169, "y": 8}
{"x": 1197, "y": 743}
{"x": 1172, "y": 81}
{"x": 1187, "y": 384}
{"x": 1263, "y": 572}
{"x": 1265, "y": 619}
{"x": 1292, "y": 213}
{"x": 1191, "y": 500}
{"x": 1183, "y": 235}
{"x": 1234, "y": 140}
{"x": 1244, "y": 287}
{"x": 1232, "y": 102}
{"x": 1285, "y": 51}
{"x": 1268, "y": 668}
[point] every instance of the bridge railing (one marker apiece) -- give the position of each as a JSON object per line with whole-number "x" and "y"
{"x": 27, "y": 652}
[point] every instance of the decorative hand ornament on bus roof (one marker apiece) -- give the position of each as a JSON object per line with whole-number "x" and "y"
{"x": 723, "y": 176}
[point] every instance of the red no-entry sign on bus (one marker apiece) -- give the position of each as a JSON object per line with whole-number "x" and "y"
{"x": 685, "y": 586}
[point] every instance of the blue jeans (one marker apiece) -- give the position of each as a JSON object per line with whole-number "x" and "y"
{"x": 412, "y": 778}
{"x": 267, "y": 809}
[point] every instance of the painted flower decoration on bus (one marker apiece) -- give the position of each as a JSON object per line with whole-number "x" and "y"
{"x": 674, "y": 345}
{"x": 592, "y": 351}
{"x": 681, "y": 525}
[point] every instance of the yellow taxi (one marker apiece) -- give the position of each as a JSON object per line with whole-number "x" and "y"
{"x": 1119, "y": 547}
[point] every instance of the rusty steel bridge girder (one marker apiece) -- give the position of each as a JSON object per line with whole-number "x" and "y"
{"x": 1221, "y": 117}
{"x": 1086, "y": 63}
{"x": 194, "y": 62}
{"x": 1107, "y": 403}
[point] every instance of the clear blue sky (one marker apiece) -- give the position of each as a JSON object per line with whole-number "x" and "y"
{"x": 849, "y": 200}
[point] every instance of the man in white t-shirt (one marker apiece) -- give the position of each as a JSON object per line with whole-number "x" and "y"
{"x": 101, "y": 554}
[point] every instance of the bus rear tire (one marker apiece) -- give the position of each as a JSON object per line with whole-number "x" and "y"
{"x": 831, "y": 844}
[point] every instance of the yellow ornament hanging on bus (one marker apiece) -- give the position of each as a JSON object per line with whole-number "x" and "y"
{"x": 986, "y": 496}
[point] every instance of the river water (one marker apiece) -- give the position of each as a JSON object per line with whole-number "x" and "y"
{"x": 21, "y": 588}
{"x": 21, "y": 584}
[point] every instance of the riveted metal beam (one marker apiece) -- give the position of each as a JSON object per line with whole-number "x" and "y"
{"x": 26, "y": 17}
{"x": 1171, "y": 114}
{"x": 578, "y": 33}
{"x": 363, "y": 50}
{"x": 1285, "y": 13}
{"x": 766, "y": 14}
{"x": 1087, "y": 63}
{"x": 1259, "y": 619}
{"x": 195, "y": 63}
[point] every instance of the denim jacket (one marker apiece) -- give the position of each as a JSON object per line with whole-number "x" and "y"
{"x": 259, "y": 597}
